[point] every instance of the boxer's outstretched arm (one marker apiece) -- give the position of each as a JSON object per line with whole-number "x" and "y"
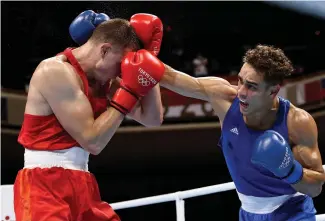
{"x": 61, "y": 88}
{"x": 205, "y": 88}
{"x": 303, "y": 132}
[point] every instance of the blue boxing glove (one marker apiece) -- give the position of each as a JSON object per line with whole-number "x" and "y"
{"x": 273, "y": 153}
{"x": 84, "y": 24}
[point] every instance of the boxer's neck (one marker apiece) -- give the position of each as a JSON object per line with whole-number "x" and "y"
{"x": 264, "y": 119}
{"x": 85, "y": 58}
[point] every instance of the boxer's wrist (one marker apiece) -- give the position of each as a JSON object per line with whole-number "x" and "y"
{"x": 124, "y": 100}
{"x": 295, "y": 174}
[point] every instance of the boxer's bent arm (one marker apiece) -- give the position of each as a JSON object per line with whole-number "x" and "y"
{"x": 149, "y": 112}
{"x": 205, "y": 88}
{"x": 63, "y": 92}
{"x": 303, "y": 132}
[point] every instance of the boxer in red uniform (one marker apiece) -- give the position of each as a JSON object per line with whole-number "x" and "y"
{"x": 67, "y": 117}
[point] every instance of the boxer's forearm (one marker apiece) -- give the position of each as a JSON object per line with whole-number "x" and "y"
{"x": 311, "y": 183}
{"x": 102, "y": 130}
{"x": 150, "y": 111}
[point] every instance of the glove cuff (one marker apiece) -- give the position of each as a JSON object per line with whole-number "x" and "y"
{"x": 295, "y": 174}
{"x": 124, "y": 100}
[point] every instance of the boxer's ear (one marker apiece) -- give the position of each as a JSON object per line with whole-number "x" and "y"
{"x": 275, "y": 90}
{"x": 105, "y": 48}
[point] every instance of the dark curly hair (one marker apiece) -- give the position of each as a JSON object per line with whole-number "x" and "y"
{"x": 269, "y": 61}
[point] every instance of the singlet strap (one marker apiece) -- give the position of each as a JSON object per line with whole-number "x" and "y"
{"x": 73, "y": 61}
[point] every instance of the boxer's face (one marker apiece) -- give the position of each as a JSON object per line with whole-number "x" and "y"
{"x": 109, "y": 64}
{"x": 254, "y": 93}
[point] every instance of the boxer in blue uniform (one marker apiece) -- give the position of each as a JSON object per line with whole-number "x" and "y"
{"x": 270, "y": 146}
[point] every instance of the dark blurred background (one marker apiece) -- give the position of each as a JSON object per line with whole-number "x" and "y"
{"x": 219, "y": 31}
{"x": 201, "y": 39}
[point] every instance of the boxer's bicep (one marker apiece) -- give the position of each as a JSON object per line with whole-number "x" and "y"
{"x": 183, "y": 84}
{"x": 69, "y": 104}
{"x": 207, "y": 88}
{"x": 303, "y": 133}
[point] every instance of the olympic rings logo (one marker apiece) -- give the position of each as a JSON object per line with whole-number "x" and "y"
{"x": 143, "y": 81}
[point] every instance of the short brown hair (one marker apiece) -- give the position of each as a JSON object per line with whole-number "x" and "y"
{"x": 270, "y": 61}
{"x": 116, "y": 31}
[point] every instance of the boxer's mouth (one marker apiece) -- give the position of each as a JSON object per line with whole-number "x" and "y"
{"x": 244, "y": 104}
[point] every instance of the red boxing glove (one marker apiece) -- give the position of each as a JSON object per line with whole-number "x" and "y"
{"x": 140, "y": 72}
{"x": 149, "y": 29}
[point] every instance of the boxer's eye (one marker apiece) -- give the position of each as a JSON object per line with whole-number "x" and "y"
{"x": 251, "y": 87}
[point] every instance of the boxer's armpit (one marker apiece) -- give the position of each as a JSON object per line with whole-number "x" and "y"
{"x": 205, "y": 88}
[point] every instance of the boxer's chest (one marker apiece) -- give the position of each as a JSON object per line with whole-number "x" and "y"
{"x": 238, "y": 149}
{"x": 240, "y": 144}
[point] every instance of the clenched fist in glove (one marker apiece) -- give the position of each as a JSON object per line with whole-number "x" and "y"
{"x": 149, "y": 29}
{"x": 84, "y": 25}
{"x": 140, "y": 72}
{"x": 273, "y": 152}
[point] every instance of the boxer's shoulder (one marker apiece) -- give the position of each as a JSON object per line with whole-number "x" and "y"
{"x": 54, "y": 73}
{"x": 298, "y": 117}
{"x": 301, "y": 125}
{"x": 56, "y": 69}
{"x": 49, "y": 65}
{"x": 222, "y": 95}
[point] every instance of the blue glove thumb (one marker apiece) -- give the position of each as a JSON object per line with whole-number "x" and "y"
{"x": 100, "y": 18}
